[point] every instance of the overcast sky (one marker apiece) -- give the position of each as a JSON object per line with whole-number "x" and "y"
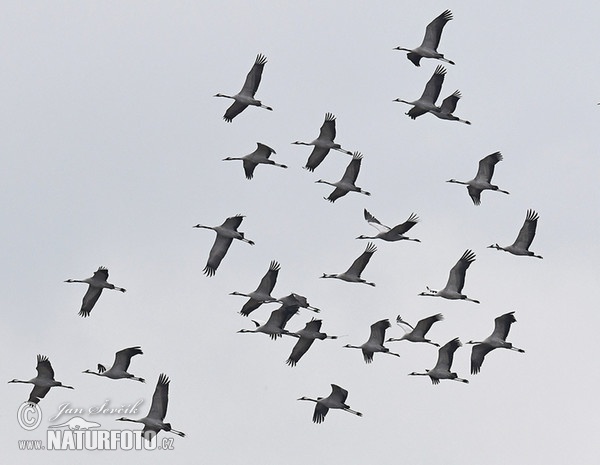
{"x": 112, "y": 143}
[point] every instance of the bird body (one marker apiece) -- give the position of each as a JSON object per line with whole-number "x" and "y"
{"x": 120, "y": 365}
{"x": 375, "y": 341}
{"x": 307, "y": 336}
{"x": 262, "y": 294}
{"x": 431, "y": 41}
{"x": 456, "y": 280}
{"x": 43, "y": 381}
{"x": 323, "y": 144}
{"x": 417, "y": 334}
{"x": 352, "y": 275}
{"x": 426, "y": 103}
{"x": 390, "y": 234}
{"x": 96, "y": 284}
{"x": 225, "y": 235}
{"x": 482, "y": 181}
{"x": 259, "y": 156}
{"x": 154, "y": 421}
{"x": 348, "y": 181}
{"x": 497, "y": 340}
{"x": 245, "y": 97}
{"x": 335, "y": 400}
{"x": 524, "y": 239}
{"x": 444, "y": 364}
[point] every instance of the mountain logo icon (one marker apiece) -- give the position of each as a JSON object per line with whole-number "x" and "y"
{"x": 77, "y": 423}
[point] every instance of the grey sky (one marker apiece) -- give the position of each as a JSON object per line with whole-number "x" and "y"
{"x": 112, "y": 144}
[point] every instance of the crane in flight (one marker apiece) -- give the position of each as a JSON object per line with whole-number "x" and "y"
{"x": 245, "y": 96}
{"x": 524, "y": 239}
{"x": 444, "y": 364}
{"x": 390, "y": 234}
{"x": 96, "y": 284}
{"x": 307, "y": 336}
{"x": 226, "y": 233}
{"x": 426, "y": 103}
{"x": 431, "y": 41}
{"x": 497, "y": 340}
{"x": 120, "y": 365}
{"x": 352, "y": 275}
{"x": 43, "y": 381}
{"x": 337, "y": 399}
{"x": 262, "y": 294}
{"x": 375, "y": 341}
{"x": 483, "y": 178}
{"x": 348, "y": 181}
{"x": 417, "y": 334}
{"x": 259, "y": 156}
{"x": 154, "y": 421}
{"x": 322, "y": 144}
{"x": 456, "y": 280}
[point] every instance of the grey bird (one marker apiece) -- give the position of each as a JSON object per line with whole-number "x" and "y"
{"x": 322, "y": 144}
{"x": 524, "y": 239}
{"x": 118, "y": 370}
{"x": 483, "y": 178}
{"x": 497, "y": 340}
{"x": 431, "y": 41}
{"x": 337, "y": 399}
{"x": 352, "y": 275}
{"x": 348, "y": 181}
{"x": 96, "y": 284}
{"x": 245, "y": 97}
{"x": 444, "y": 364}
{"x": 259, "y": 157}
{"x": 226, "y": 233}
{"x": 43, "y": 381}
{"x": 375, "y": 341}
{"x": 390, "y": 234}
{"x": 456, "y": 280}
{"x": 154, "y": 421}
{"x": 417, "y": 334}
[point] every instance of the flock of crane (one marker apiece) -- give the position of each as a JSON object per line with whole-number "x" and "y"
{"x": 275, "y": 326}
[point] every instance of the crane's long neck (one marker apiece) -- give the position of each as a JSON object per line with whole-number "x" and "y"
{"x": 430, "y": 293}
{"x": 414, "y": 373}
{"x": 223, "y": 95}
{"x": 129, "y": 419}
{"x": 232, "y": 158}
{"x": 464, "y": 183}
{"x": 21, "y": 381}
{"x": 348, "y": 346}
{"x": 298, "y": 142}
{"x": 76, "y": 281}
{"x": 94, "y": 373}
{"x": 64, "y": 385}
{"x": 322, "y": 181}
{"x": 366, "y": 237}
{"x": 309, "y": 399}
{"x": 403, "y": 49}
{"x": 239, "y": 293}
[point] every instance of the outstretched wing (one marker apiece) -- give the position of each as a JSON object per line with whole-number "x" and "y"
{"x": 446, "y": 354}
{"x": 299, "y": 350}
{"x": 160, "y": 399}
{"x": 527, "y": 232}
{"x": 43, "y": 367}
{"x": 456, "y": 280}
{"x": 234, "y": 109}
{"x": 478, "y": 353}
{"x": 89, "y": 300}
{"x": 375, "y": 222}
{"x": 449, "y": 103}
{"x": 433, "y": 31}
{"x": 361, "y": 262}
{"x": 378, "y": 331}
{"x": 253, "y": 78}
{"x": 37, "y": 393}
{"x": 424, "y": 325}
{"x": 233, "y": 222}
{"x": 485, "y": 170}
{"x": 404, "y": 227}
{"x": 123, "y": 357}
{"x": 434, "y": 85}
{"x": 502, "y": 325}
{"x": 217, "y": 252}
